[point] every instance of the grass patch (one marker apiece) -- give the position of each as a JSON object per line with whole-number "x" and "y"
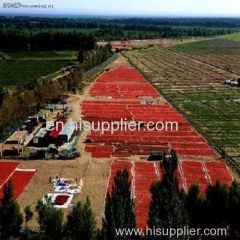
{"x": 39, "y": 55}
{"x": 233, "y": 37}
{"x": 19, "y": 72}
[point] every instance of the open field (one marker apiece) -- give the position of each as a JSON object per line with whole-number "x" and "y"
{"x": 39, "y": 55}
{"x": 20, "y": 72}
{"x": 196, "y": 89}
{"x": 132, "y": 98}
{"x": 208, "y": 47}
{"x": 19, "y": 177}
{"x": 221, "y": 52}
{"x": 233, "y": 37}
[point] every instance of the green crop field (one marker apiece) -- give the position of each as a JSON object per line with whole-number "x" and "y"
{"x": 220, "y": 52}
{"x": 214, "y": 46}
{"x": 38, "y": 55}
{"x": 18, "y": 72}
{"x": 233, "y": 37}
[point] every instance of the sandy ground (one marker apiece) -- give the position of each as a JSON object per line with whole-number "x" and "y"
{"x": 121, "y": 61}
{"x": 94, "y": 174}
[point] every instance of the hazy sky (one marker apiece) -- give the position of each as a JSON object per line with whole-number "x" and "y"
{"x": 142, "y": 7}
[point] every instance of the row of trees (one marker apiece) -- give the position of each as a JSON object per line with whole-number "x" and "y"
{"x": 32, "y": 23}
{"x": 169, "y": 208}
{"x": 50, "y": 40}
{"x": 97, "y": 57}
{"x": 47, "y": 34}
{"x": 159, "y": 32}
{"x": 21, "y": 40}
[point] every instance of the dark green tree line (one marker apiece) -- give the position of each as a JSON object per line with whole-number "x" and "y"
{"x": 118, "y": 28}
{"x": 13, "y": 40}
{"x": 81, "y": 223}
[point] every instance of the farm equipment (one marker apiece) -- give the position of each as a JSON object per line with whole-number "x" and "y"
{"x": 232, "y": 82}
{"x": 67, "y": 156}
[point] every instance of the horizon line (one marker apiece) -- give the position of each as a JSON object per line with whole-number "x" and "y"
{"x": 111, "y": 15}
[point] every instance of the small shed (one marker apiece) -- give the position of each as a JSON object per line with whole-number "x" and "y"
{"x": 40, "y": 138}
{"x": 43, "y": 114}
{"x": 66, "y": 133}
{"x": 51, "y": 107}
{"x": 59, "y": 125}
{"x": 34, "y": 119}
{"x": 17, "y": 137}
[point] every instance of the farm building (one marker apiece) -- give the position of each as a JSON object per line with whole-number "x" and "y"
{"x": 10, "y": 150}
{"x": 59, "y": 125}
{"x": 13, "y": 146}
{"x": 51, "y": 107}
{"x": 43, "y": 114}
{"x": 66, "y": 133}
{"x": 41, "y": 138}
{"x": 17, "y": 137}
{"x": 33, "y": 119}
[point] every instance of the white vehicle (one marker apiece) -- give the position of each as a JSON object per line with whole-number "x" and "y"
{"x": 232, "y": 82}
{"x": 228, "y": 81}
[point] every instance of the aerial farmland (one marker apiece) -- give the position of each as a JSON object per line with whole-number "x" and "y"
{"x": 108, "y": 131}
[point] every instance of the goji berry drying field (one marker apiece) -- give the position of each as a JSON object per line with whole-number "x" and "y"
{"x": 185, "y": 140}
{"x": 123, "y": 93}
{"x": 19, "y": 177}
{"x": 143, "y": 174}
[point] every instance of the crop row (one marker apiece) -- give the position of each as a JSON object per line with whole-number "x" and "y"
{"x": 184, "y": 139}
{"x": 122, "y": 74}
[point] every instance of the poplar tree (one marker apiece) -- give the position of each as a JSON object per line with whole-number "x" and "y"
{"x": 119, "y": 208}
{"x": 10, "y": 215}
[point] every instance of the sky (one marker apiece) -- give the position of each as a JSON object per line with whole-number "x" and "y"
{"x": 223, "y": 8}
